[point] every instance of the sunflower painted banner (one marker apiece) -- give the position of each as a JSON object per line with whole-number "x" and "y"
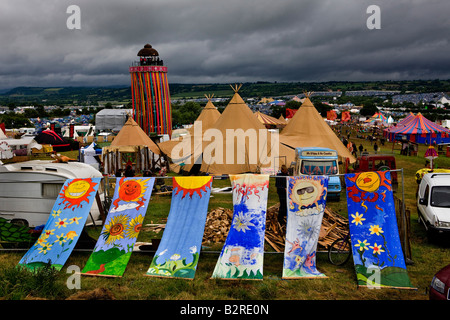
{"x": 64, "y": 225}
{"x": 306, "y": 203}
{"x": 179, "y": 250}
{"x": 121, "y": 229}
{"x": 376, "y": 247}
{"x": 242, "y": 254}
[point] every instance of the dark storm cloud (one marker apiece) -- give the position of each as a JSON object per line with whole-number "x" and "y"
{"x": 223, "y": 41}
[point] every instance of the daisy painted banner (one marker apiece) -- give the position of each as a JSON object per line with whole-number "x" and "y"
{"x": 64, "y": 225}
{"x": 121, "y": 229}
{"x": 376, "y": 247}
{"x": 306, "y": 203}
{"x": 243, "y": 251}
{"x": 179, "y": 250}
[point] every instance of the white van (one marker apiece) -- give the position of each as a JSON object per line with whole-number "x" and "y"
{"x": 433, "y": 202}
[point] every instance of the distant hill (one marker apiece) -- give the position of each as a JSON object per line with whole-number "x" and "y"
{"x": 122, "y": 94}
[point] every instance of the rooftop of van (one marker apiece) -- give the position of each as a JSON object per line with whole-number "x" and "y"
{"x": 437, "y": 179}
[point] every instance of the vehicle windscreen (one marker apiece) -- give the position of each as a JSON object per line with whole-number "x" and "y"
{"x": 440, "y": 197}
{"x": 315, "y": 167}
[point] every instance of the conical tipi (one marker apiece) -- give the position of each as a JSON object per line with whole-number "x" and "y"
{"x": 246, "y": 143}
{"x": 308, "y": 129}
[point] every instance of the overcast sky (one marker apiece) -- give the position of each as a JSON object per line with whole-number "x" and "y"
{"x": 204, "y": 41}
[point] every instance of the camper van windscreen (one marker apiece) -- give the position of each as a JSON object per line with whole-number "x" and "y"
{"x": 314, "y": 167}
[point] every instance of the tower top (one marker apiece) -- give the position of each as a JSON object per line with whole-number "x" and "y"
{"x": 147, "y": 51}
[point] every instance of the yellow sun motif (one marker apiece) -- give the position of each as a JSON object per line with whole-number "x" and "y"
{"x": 114, "y": 230}
{"x": 368, "y": 181}
{"x": 134, "y": 227}
{"x": 306, "y": 192}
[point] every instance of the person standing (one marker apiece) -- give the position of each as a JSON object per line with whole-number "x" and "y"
{"x": 280, "y": 184}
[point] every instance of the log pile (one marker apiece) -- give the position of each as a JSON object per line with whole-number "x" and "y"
{"x": 219, "y": 220}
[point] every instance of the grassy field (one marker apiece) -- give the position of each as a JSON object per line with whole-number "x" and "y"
{"x": 340, "y": 285}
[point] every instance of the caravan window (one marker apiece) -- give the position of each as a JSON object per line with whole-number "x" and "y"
{"x": 51, "y": 190}
{"x": 314, "y": 167}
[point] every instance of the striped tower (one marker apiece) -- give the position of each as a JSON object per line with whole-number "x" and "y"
{"x": 150, "y": 93}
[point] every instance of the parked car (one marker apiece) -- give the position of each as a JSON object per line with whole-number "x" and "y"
{"x": 374, "y": 162}
{"x": 440, "y": 285}
{"x": 433, "y": 203}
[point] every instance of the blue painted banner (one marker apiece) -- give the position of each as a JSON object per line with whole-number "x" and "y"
{"x": 121, "y": 229}
{"x": 376, "y": 247}
{"x": 242, "y": 254}
{"x": 306, "y": 203}
{"x": 64, "y": 226}
{"x": 179, "y": 250}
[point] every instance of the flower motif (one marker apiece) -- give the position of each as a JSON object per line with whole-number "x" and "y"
{"x": 48, "y": 233}
{"x": 193, "y": 249}
{"x": 45, "y": 248}
{"x": 242, "y": 222}
{"x": 362, "y": 245}
{"x": 74, "y": 220}
{"x": 41, "y": 240}
{"x": 175, "y": 257}
{"x": 357, "y": 218}
{"x": 375, "y": 230}
{"x": 377, "y": 248}
{"x": 71, "y": 234}
{"x": 60, "y": 239}
{"x": 61, "y": 223}
{"x": 56, "y": 213}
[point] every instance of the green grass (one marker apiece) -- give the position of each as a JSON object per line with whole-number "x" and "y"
{"x": 340, "y": 284}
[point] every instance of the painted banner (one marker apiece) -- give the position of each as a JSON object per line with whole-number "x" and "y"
{"x": 64, "y": 225}
{"x": 179, "y": 250}
{"x": 306, "y": 203}
{"x": 242, "y": 254}
{"x": 121, "y": 229}
{"x": 376, "y": 247}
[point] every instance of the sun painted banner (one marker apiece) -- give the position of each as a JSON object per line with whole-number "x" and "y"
{"x": 306, "y": 203}
{"x": 376, "y": 247}
{"x": 64, "y": 225}
{"x": 179, "y": 250}
{"x": 243, "y": 252}
{"x": 121, "y": 228}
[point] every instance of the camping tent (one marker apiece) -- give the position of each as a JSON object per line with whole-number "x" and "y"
{"x": 269, "y": 121}
{"x": 207, "y": 119}
{"x": 54, "y": 139}
{"x": 308, "y": 129}
{"x": 377, "y": 118}
{"x": 250, "y": 150}
{"x": 419, "y": 130}
{"x": 131, "y": 144}
{"x": 237, "y": 143}
{"x": 111, "y": 119}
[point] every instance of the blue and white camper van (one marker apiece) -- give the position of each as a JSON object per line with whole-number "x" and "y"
{"x": 319, "y": 161}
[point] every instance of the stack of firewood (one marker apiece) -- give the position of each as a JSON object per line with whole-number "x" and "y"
{"x": 219, "y": 220}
